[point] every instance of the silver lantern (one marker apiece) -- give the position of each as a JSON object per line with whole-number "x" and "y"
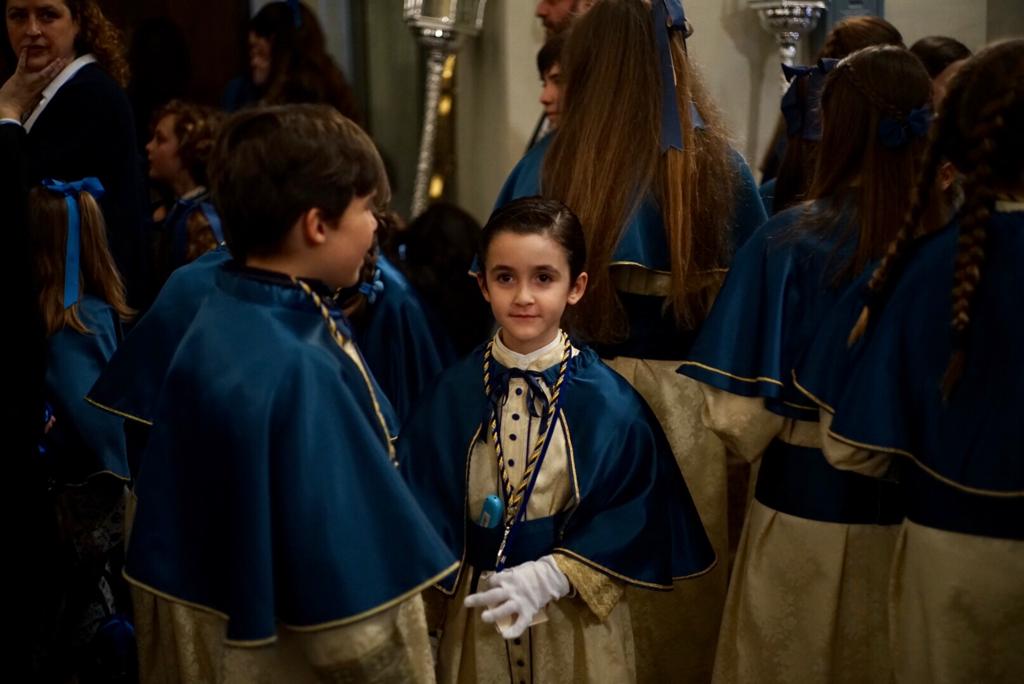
{"x": 441, "y": 27}
{"x": 788, "y": 20}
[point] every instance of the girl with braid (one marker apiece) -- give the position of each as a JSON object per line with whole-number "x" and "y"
{"x": 807, "y": 598}
{"x": 548, "y": 474}
{"x": 935, "y": 391}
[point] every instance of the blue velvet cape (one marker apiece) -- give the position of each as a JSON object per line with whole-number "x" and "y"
{"x": 779, "y": 289}
{"x": 767, "y": 192}
{"x": 632, "y": 517}
{"x": 398, "y": 342}
{"x": 965, "y": 455}
{"x": 266, "y": 493}
{"x": 131, "y": 382}
{"x": 84, "y": 441}
{"x": 653, "y": 333}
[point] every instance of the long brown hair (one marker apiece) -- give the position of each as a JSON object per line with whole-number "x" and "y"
{"x": 301, "y": 69}
{"x": 98, "y": 276}
{"x": 855, "y": 169}
{"x": 845, "y": 38}
{"x": 978, "y": 131}
{"x": 605, "y": 159}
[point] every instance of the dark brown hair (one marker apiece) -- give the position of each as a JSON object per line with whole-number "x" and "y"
{"x": 845, "y": 38}
{"x": 538, "y": 216}
{"x": 271, "y": 165}
{"x": 796, "y": 169}
{"x": 301, "y": 70}
{"x": 856, "y": 171}
{"x": 48, "y": 227}
{"x": 550, "y": 54}
{"x": 978, "y": 131}
{"x": 605, "y": 160}
{"x": 938, "y": 52}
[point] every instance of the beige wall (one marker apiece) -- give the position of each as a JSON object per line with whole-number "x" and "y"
{"x": 1005, "y": 19}
{"x": 965, "y": 20}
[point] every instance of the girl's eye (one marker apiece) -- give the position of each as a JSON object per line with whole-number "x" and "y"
{"x": 544, "y": 278}
{"x": 504, "y": 278}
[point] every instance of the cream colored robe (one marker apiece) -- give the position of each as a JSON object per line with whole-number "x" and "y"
{"x": 676, "y": 635}
{"x": 588, "y": 636}
{"x": 182, "y": 643}
{"x": 956, "y": 602}
{"x": 807, "y": 599}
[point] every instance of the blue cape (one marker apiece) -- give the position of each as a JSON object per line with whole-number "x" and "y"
{"x": 266, "y": 494}
{"x": 886, "y": 392}
{"x": 398, "y": 342}
{"x": 84, "y": 441}
{"x": 632, "y": 517}
{"x": 131, "y": 382}
{"x": 778, "y": 291}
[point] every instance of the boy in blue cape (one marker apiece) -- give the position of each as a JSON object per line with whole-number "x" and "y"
{"x": 273, "y": 539}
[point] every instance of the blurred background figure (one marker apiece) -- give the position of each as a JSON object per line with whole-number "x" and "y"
{"x": 289, "y": 63}
{"x": 942, "y": 56}
{"x": 186, "y": 224}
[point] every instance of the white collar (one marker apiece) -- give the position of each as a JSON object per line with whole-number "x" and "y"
{"x": 66, "y": 74}
{"x": 539, "y": 360}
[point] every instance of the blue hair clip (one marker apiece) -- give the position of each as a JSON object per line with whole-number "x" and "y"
{"x": 72, "y": 256}
{"x": 372, "y": 289}
{"x": 293, "y": 5}
{"x": 896, "y": 132}
{"x": 669, "y": 16}
{"x": 804, "y": 118}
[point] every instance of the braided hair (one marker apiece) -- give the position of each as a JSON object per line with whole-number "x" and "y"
{"x": 865, "y": 175}
{"x": 977, "y": 132}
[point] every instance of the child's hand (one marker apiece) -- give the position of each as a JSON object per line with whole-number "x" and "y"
{"x": 521, "y": 591}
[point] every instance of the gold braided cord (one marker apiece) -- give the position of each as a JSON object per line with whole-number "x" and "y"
{"x": 339, "y": 339}
{"x": 506, "y": 483}
{"x": 514, "y": 496}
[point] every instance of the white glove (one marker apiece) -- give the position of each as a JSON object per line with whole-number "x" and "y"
{"x": 521, "y": 591}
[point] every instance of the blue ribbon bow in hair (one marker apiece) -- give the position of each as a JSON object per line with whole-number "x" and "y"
{"x": 897, "y": 132}
{"x": 669, "y": 16}
{"x": 72, "y": 256}
{"x": 804, "y": 119}
{"x": 293, "y": 5}
{"x": 372, "y": 289}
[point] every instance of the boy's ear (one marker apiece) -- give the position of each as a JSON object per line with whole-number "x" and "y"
{"x": 481, "y": 281}
{"x": 313, "y": 226}
{"x": 578, "y": 288}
